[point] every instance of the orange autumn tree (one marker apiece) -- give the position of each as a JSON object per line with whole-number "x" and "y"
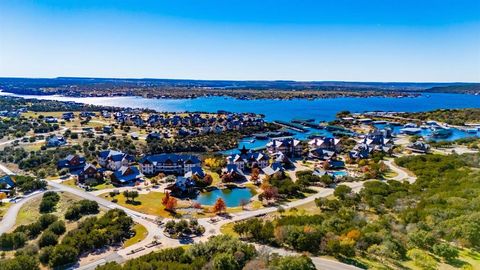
{"x": 171, "y": 204}
{"x": 219, "y": 206}
{"x": 166, "y": 198}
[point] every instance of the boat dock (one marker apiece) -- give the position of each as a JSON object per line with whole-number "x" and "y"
{"x": 289, "y": 125}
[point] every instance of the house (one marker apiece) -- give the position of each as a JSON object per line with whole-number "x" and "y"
{"x": 248, "y": 159}
{"x": 89, "y": 171}
{"x": 56, "y": 141}
{"x": 68, "y": 116}
{"x": 234, "y": 172}
{"x": 51, "y": 119}
{"x": 107, "y": 129}
{"x": 7, "y": 184}
{"x": 195, "y": 171}
{"x": 336, "y": 164}
{"x": 182, "y": 186}
{"x": 419, "y": 147}
{"x": 288, "y": 146}
{"x": 168, "y": 163}
{"x": 113, "y": 160}
{"x": 154, "y": 136}
{"x": 126, "y": 175}
{"x": 326, "y": 143}
{"x": 322, "y": 154}
{"x": 72, "y": 162}
{"x": 360, "y": 151}
{"x": 273, "y": 169}
{"x": 87, "y": 114}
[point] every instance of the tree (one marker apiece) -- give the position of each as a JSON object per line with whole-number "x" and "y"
{"x": 219, "y": 206}
{"x": 292, "y": 263}
{"x": 207, "y": 180}
{"x": 445, "y": 251}
{"x": 171, "y": 204}
{"x": 341, "y": 191}
{"x": 57, "y": 227}
{"x": 21, "y": 262}
{"x": 270, "y": 193}
{"x": 421, "y": 259}
{"x": 2, "y": 196}
{"x": 48, "y": 238}
{"x": 243, "y": 203}
{"x": 225, "y": 261}
{"x": 63, "y": 255}
{"x": 255, "y": 175}
{"x": 130, "y": 195}
{"x": 165, "y": 199}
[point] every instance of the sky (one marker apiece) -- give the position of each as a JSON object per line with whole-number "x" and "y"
{"x": 336, "y": 40}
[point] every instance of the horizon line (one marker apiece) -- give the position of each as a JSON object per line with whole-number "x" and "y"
{"x": 243, "y": 80}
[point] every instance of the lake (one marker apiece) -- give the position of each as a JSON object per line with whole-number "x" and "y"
{"x": 318, "y": 109}
{"x": 232, "y": 196}
{"x": 286, "y": 110}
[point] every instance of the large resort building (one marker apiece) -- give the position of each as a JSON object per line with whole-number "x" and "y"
{"x": 168, "y": 164}
{"x": 288, "y": 146}
{"x": 248, "y": 159}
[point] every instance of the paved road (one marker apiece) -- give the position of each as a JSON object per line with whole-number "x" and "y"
{"x": 402, "y": 174}
{"x": 8, "y": 220}
{"x": 154, "y": 232}
{"x": 6, "y": 170}
{"x": 320, "y": 263}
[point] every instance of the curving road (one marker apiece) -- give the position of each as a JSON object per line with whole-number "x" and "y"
{"x": 402, "y": 174}
{"x": 8, "y": 220}
{"x": 155, "y": 233}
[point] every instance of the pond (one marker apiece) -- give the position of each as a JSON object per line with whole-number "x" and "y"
{"x": 231, "y": 196}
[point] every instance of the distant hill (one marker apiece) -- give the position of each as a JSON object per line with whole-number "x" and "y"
{"x": 37, "y": 85}
{"x": 465, "y": 88}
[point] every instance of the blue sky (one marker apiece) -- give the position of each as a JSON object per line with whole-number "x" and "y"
{"x": 374, "y": 40}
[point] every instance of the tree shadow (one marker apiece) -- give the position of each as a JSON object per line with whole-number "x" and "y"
{"x": 133, "y": 202}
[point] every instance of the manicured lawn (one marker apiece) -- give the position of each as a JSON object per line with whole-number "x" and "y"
{"x": 150, "y": 203}
{"x": 140, "y": 234}
{"x": 103, "y": 186}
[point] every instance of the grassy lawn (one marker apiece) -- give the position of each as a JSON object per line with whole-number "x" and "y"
{"x": 391, "y": 174}
{"x": 103, "y": 186}
{"x": 215, "y": 176}
{"x": 228, "y": 229}
{"x": 150, "y": 203}
{"x": 3, "y": 209}
{"x": 140, "y": 234}
{"x": 71, "y": 183}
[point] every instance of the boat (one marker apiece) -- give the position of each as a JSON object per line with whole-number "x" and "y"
{"x": 441, "y": 133}
{"x": 252, "y": 140}
{"x": 410, "y": 125}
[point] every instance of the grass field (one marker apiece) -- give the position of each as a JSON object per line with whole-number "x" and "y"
{"x": 150, "y": 203}
{"x": 30, "y": 212}
{"x": 3, "y": 209}
{"x": 140, "y": 234}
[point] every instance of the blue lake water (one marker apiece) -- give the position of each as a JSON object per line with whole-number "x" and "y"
{"x": 232, "y": 197}
{"x": 286, "y": 110}
{"x": 318, "y": 109}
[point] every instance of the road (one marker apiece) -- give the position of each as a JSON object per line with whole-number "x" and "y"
{"x": 6, "y": 170}
{"x": 402, "y": 174}
{"x": 8, "y": 220}
{"x": 154, "y": 232}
